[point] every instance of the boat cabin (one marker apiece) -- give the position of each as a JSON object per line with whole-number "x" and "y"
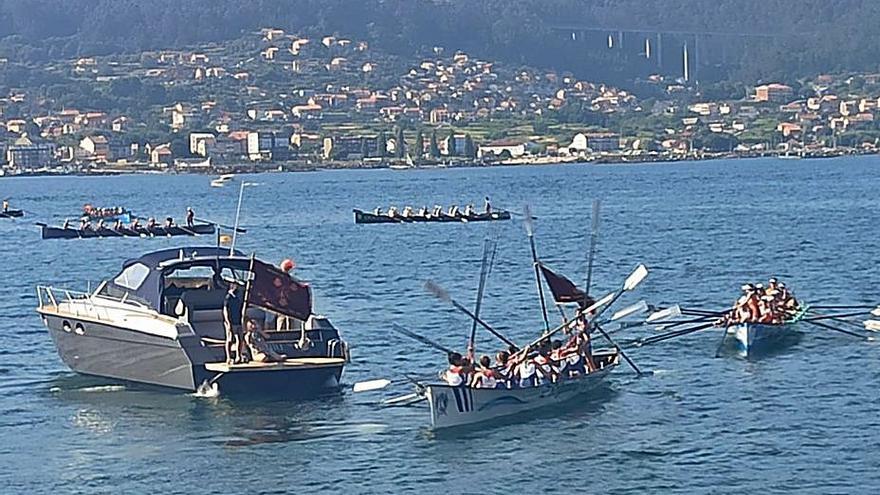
{"x": 191, "y": 283}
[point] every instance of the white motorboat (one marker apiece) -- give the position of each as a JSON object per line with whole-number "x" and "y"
{"x": 222, "y": 180}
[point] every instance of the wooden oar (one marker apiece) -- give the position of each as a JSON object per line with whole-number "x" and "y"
{"x": 594, "y": 240}
{"x": 840, "y": 330}
{"x": 618, "y": 349}
{"x": 666, "y": 336}
{"x": 441, "y": 294}
{"x": 530, "y": 232}
{"x": 723, "y": 340}
{"x": 424, "y": 340}
{"x": 485, "y": 268}
{"x": 228, "y": 227}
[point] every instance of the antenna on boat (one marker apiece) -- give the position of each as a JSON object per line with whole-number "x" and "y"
{"x": 238, "y": 214}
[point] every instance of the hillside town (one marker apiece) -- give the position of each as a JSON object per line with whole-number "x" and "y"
{"x": 278, "y": 101}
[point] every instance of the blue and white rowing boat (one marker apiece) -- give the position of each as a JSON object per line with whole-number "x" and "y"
{"x": 460, "y": 406}
{"x": 750, "y": 338}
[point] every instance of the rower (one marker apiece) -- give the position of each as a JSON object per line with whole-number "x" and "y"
{"x": 423, "y": 211}
{"x": 151, "y": 223}
{"x": 469, "y": 210}
{"x": 169, "y": 222}
{"x": 84, "y": 223}
{"x": 66, "y": 224}
{"x": 453, "y": 210}
{"x": 101, "y": 225}
{"x": 136, "y": 224}
{"x": 5, "y": 205}
{"x": 502, "y": 369}
{"x": 407, "y": 211}
{"x": 392, "y": 211}
{"x": 190, "y": 217}
{"x": 453, "y": 374}
{"x": 485, "y": 375}
{"x": 525, "y": 374}
{"x": 437, "y": 211}
{"x": 487, "y": 205}
{"x": 377, "y": 211}
{"x": 117, "y": 225}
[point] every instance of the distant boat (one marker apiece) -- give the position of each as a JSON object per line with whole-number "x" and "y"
{"x": 50, "y": 232}
{"x": 222, "y": 180}
{"x": 361, "y": 216}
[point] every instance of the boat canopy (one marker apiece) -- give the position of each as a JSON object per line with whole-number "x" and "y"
{"x": 143, "y": 279}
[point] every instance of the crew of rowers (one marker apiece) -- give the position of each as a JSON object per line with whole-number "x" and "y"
{"x": 550, "y": 362}
{"x": 86, "y": 224}
{"x": 437, "y": 211}
{"x": 773, "y": 305}
{"x": 93, "y": 212}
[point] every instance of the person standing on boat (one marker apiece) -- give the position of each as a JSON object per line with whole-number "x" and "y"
{"x": 487, "y": 205}
{"x": 233, "y": 311}
{"x": 5, "y": 205}
{"x": 190, "y": 217}
{"x": 377, "y": 211}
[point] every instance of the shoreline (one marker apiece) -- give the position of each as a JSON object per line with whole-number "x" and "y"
{"x": 299, "y": 167}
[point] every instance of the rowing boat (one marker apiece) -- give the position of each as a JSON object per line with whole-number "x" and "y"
{"x": 11, "y": 214}
{"x": 361, "y": 216}
{"x": 751, "y": 338}
{"x": 50, "y": 232}
{"x": 460, "y": 406}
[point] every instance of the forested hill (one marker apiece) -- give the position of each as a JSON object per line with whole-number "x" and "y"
{"x": 775, "y": 38}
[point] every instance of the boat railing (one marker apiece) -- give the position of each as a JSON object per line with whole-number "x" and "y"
{"x": 91, "y": 305}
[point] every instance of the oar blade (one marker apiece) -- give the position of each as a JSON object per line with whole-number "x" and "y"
{"x": 528, "y": 221}
{"x": 371, "y": 385}
{"x": 663, "y": 314}
{"x": 437, "y": 291}
{"x": 635, "y": 278}
{"x": 872, "y": 325}
{"x": 639, "y": 307}
{"x": 875, "y": 311}
{"x": 601, "y": 302}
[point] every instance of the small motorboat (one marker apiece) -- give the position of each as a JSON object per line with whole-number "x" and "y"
{"x": 11, "y": 214}
{"x": 160, "y": 321}
{"x": 361, "y": 216}
{"x": 222, "y": 180}
{"x": 459, "y": 406}
{"x": 50, "y": 232}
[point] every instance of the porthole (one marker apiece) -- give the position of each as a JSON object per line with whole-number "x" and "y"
{"x": 65, "y": 325}
{"x": 79, "y": 330}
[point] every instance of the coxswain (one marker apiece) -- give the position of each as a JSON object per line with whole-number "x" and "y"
{"x": 469, "y": 210}
{"x": 487, "y": 205}
{"x": 453, "y": 374}
{"x": 190, "y": 217}
{"x": 169, "y": 222}
{"x": 5, "y": 205}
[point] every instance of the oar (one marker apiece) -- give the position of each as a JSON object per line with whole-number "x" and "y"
{"x": 723, "y": 340}
{"x": 424, "y": 340}
{"x": 701, "y": 312}
{"x": 677, "y": 323}
{"x": 670, "y": 312}
{"x": 594, "y": 240}
{"x": 228, "y": 227}
{"x": 840, "y": 330}
{"x": 484, "y": 274}
{"x": 818, "y": 316}
{"x": 530, "y": 232}
{"x": 441, "y": 294}
{"x": 370, "y": 385}
{"x": 619, "y": 350}
{"x": 669, "y": 335}
{"x": 849, "y": 307}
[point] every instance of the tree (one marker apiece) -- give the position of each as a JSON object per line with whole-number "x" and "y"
{"x": 382, "y": 145}
{"x": 435, "y": 149}
{"x": 400, "y": 144}
{"x": 470, "y": 150}
{"x": 420, "y": 145}
{"x": 451, "y": 148}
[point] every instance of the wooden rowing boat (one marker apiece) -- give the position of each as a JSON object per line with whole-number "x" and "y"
{"x": 460, "y": 406}
{"x": 751, "y": 338}
{"x": 11, "y": 214}
{"x": 50, "y": 232}
{"x": 361, "y": 216}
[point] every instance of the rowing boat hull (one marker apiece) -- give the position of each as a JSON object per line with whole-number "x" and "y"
{"x": 366, "y": 218}
{"x": 11, "y": 214}
{"x": 459, "y": 406}
{"x": 49, "y": 232}
{"x": 750, "y": 338}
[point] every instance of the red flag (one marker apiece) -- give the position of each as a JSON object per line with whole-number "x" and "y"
{"x": 277, "y": 291}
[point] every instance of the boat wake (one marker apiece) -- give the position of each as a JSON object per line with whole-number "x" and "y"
{"x": 207, "y": 391}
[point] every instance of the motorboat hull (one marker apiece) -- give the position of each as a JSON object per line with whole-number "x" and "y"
{"x": 751, "y": 338}
{"x": 460, "y": 406}
{"x": 99, "y": 349}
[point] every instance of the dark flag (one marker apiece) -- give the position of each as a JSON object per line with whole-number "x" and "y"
{"x": 563, "y": 289}
{"x": 277, "y": 291}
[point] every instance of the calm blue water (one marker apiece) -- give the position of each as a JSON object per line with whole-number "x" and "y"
{"x": 803, "y": 420}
